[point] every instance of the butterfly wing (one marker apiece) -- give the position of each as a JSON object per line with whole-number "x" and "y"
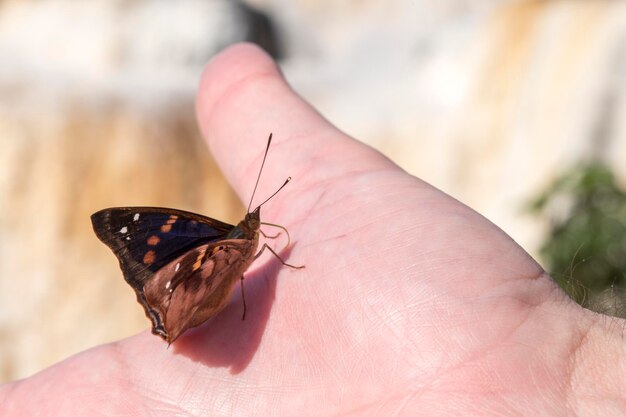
{"x": 144, "y": 239}
{"x": 197, "y": 285}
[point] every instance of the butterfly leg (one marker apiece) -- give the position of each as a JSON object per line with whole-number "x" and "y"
{"x": 269, "y": 237}
{"x": 243, "y": 297}
{"x": 276, "y": 255}
{"x": 282, "y": 228}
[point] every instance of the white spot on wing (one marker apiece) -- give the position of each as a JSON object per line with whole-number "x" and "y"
{"x": 127, "y": 237}
{"x": 124, "y": 230}
{"x": 136, "y": 217}
{"x": 177, "y": 267}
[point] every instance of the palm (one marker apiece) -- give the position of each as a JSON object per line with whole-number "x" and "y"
{"x": 410, "y": 302}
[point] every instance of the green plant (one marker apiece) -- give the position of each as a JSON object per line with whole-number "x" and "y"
{"x": 585, "y": 249}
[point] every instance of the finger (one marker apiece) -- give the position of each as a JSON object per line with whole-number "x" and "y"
{"x": 243, "y": 98}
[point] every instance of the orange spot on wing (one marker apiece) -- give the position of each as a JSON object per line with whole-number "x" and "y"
{"x": 168, "y": 224}
{"x": 149, "y": 257}
{"x": 153, "y": 240}
{"x": 198, "y": 262}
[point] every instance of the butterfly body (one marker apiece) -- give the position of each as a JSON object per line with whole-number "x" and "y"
{"x": 182, "y": 266}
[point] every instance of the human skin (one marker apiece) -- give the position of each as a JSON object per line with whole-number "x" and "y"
{"x": 411, "y": 304}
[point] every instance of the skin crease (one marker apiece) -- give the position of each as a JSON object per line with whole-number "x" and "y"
{"x": 410, "y": 303}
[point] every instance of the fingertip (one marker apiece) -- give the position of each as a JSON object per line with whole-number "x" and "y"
{"x": 224, "y": 72}
{"x": 242, "y": 98}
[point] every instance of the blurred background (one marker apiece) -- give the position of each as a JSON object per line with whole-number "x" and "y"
{"x": 516, "y": 108}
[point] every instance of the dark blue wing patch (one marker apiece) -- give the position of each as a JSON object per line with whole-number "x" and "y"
{"x": 146, "y": 238}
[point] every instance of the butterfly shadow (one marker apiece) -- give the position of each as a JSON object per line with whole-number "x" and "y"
{"x": 226, "y": 340}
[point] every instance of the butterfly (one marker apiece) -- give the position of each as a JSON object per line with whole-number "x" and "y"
{"x": 183, "y": 266}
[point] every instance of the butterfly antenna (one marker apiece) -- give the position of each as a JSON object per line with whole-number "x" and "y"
{"x": 276, "y": 192}
{"x": 269, "y": 140}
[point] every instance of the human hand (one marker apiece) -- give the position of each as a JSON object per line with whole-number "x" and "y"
{"x": 410, "y": 304}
